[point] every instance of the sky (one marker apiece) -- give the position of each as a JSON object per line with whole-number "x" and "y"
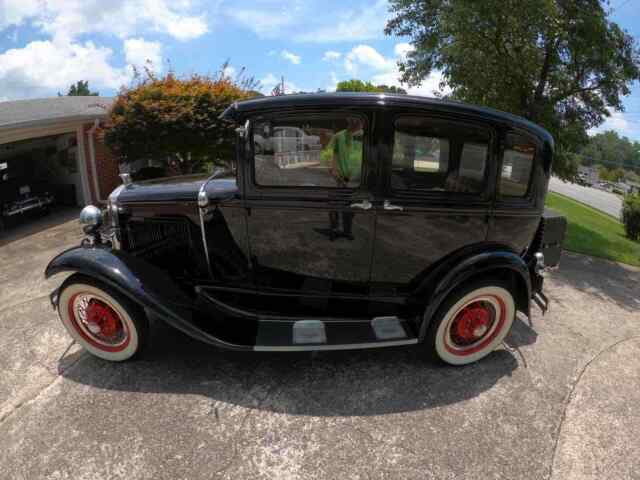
{"x": 46, "y": 45}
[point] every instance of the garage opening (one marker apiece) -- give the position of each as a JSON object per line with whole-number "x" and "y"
{"x": 38, "y": 175}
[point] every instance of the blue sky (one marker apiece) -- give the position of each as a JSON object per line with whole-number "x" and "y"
{"x": 45, "y": 45}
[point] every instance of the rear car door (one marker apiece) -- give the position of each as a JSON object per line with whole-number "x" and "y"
{"x": 310, "y": 216}
{"x": 434, "y": 198}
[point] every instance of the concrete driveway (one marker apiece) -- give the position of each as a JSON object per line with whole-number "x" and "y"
{"x": 605, "y": 201}
{"x": 563, "y": 407}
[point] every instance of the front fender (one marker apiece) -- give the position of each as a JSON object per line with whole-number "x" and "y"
{"x": 474, "y": 266}
{"x": 145, "y": 284}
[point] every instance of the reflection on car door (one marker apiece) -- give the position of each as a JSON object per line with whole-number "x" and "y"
{"x": 310, "y": 220}
{"x": 434, "y": 201}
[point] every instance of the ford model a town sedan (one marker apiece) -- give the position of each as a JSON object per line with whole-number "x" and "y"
{"x": 345, "y": 221}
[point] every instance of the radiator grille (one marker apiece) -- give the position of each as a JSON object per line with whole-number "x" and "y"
{"x": 149, "y": 236}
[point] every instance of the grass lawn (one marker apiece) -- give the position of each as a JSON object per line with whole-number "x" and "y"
{"x": 593, "y": 232}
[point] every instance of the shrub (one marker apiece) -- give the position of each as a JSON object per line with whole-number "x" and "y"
{"x": 176, "y": 120}
{"x": 631, "y": 216}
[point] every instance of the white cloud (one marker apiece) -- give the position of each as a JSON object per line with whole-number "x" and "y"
{"x": 141, "y": 53}
{"x": 617, "y": 121}
{"x": 15, "y": 12}
{"x": 365, "y": 23}
{"x": 366, "y": 56}
{"x": 402, "y": 49}
{"x": 65, "y": 20}
{"x": 331, "y": 56}
{"x": 365, "y": 62}
{"x": 263, "y": 22}
{"x": 45, "y": 67}
{"x": 291, "y": 57}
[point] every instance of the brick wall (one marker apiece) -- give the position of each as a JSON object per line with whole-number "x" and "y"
{"x": 106, "y": 166}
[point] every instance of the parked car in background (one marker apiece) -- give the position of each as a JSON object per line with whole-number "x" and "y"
{"x": 412, "y": 220}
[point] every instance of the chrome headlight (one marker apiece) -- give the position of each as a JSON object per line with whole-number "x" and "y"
{"x": 91, "y": 216}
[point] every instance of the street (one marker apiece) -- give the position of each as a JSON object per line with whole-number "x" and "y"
{"x": 605, "y": 201}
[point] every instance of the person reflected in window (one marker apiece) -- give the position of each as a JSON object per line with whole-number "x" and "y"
{"x": 345, "y": 167}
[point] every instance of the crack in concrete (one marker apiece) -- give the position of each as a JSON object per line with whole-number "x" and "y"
{"x": 570, "y": 397}
{"x": 34, "y": 397}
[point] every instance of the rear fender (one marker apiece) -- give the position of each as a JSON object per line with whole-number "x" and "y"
{"x": 501, "y": 263}
{"x": 143, "y": 283}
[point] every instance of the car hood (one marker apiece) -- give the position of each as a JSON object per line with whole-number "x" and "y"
{"x": 174, "y": 189}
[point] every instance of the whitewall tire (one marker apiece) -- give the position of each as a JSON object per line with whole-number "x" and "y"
{"x": 102, "y": 321}
{"x": 471, "y": 323}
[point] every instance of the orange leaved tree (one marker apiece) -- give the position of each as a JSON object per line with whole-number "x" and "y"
{"x": 175, "y": 121}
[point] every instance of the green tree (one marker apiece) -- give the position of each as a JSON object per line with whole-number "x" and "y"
{"x": 560, "y": 63}
{"x": 611, "y": 150}
{"x": 176, "y": 120}
{"x": 355, "y": 85}
{"x": 392, "y": 89}
{"x": 80, "y": 89}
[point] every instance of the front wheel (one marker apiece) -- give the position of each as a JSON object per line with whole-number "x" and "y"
{"x": 471, "y": 323}
{"x": 103, "y": 321}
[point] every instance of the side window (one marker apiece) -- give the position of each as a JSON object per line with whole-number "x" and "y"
{"x": 440, "y": 156}
{"x": 517, "y": 163}
{"x": 309, "y": 152}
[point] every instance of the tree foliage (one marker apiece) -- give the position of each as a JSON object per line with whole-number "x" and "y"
{"x": 355, "y": 85}
{"x": 176, "y": 120}
{"x": 612, "y": 151}
{"x": 80, "y": 89}
{"x": 631, "y": 216}
{"x": 560, "y": 63}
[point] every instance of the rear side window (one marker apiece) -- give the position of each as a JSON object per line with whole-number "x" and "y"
{"x": 517, "y": 163}
{"x": 438, "y": 156}
{"x": 323, "y": 151}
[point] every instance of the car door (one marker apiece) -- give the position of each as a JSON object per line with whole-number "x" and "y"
{"x": 434, "y": 199}
{"x": 310, "y": 217}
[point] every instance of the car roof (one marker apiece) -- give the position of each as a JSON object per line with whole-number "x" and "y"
{"x": 238, "y": 111}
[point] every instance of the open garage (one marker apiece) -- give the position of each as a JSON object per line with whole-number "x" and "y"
{"x": 52, "y": 156}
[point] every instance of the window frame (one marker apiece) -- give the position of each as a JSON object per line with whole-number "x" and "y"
{"x": 306, "y": 190}
{"x": 529, "y": 195}
{"x": 481, "y": 196}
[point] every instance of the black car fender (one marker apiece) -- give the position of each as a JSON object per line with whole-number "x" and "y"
{"x": 451, "y": 276}
{"x": 145, "y": 284}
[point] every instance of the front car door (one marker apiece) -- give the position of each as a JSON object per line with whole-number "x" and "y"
{"x": 435, "y": 199}
{"x": 310, "y": 216}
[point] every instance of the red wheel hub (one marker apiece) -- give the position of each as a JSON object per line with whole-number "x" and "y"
{"x": 98, "y": 323}
{"x": 471, "y": 324}
{"x": 102, "y": 320}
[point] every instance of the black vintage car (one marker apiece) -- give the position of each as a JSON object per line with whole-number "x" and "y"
{"x": 345, "y": 221}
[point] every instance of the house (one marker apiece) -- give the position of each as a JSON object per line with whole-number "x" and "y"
{"x": 55, "y": 145}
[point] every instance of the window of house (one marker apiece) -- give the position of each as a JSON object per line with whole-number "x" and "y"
{"x": 517, "y": 163}
{"x": 439, "y": 156}
{"x": 309, "y": 152}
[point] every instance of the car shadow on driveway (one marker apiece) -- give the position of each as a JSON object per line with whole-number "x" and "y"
{"x": 614, "y": 282}
{"x": 341, "y": 383}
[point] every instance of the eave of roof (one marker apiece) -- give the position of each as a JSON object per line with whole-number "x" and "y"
{"x": 21, "y": 114}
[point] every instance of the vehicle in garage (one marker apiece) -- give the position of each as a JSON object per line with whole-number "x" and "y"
{"x": 415, "y": 221}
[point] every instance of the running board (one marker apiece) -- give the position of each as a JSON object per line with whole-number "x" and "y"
{"x": 310, "y": 335}
{"x": 287, "y": 334}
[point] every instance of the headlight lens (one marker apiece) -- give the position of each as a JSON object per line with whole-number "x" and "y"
{"x": 91, "y": 216}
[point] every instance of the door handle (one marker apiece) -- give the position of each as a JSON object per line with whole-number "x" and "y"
{"x": 363, "y": 205}
{"x": 387, "y": 205}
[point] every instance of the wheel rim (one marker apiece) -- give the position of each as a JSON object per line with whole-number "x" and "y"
{"x": 98, "y": 322}
{"x": 475, "y": 325}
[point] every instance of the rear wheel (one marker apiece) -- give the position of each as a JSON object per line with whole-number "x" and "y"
{"x": 471, "y": 323}
{"x": 104, "y": 322}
